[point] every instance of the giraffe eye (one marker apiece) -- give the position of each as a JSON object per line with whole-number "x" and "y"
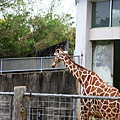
{"x": 61, "y": 57}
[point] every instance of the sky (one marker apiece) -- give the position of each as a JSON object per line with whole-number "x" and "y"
{"x": 67, "y": 6}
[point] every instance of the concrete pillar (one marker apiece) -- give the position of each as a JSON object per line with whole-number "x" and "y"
{"x": 20, "y": 110}
{"x": 83, "y": 46}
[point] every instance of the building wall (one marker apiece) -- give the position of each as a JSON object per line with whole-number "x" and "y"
{"x": 86, "y": 36}
{"x": 105, "y": 33}
{"x": 83, "y": 24}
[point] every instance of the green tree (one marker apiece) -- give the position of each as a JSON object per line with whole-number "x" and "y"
{"x": 52, "y": 28}
{"x": 22, "y": 33}
{"x": 12, "y": 29}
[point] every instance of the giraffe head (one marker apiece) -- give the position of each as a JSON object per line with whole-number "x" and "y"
{"x": 58, "y": 56}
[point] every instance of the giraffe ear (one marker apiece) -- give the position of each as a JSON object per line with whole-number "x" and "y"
{"x": 57, "y": 52}
{"x": 57, "y": 47}
{"x": 61, "y": 47}
{"x": 66, "y": 52}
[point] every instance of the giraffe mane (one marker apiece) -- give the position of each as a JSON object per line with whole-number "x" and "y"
{"x": 74, "y": 61}
{"x": 82, "y": 66}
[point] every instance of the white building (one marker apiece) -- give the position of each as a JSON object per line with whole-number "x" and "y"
{"x": 98, "y": 38}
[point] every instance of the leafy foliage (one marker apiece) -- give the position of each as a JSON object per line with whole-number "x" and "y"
{"x": 12, "y": 28}
{"x": 21, "y": 33}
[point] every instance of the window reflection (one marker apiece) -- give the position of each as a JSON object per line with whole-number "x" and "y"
{"x": 100, "y": 14}
{"x": 116, "y": 13}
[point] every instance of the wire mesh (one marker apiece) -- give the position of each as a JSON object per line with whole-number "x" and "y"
{"x": 63, "y": 107}
{"x": 51, "y": 108}
{"x": 70, "y": 108}
{"x": 5, "y": 107}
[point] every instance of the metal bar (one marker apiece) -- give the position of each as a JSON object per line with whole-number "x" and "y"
{"x": 41, "y": 64}
{"x": 64, "y": 95}
{"x": 74, "y": 108}
{"x": 33, "y": 57}
{"x": 12, "y": 69}
{"x": 11, "y": 107}
{"x": 33, "y": 69}
{"x": 43, "y": 111}
{"x": 1, "y": 66}
{"x": 20, "y": 70}
{"x": 73, "y": 96}
{"x": 7, "y": 93}
{"x": 110, "y": 22}
{"x": 29, "y": 106}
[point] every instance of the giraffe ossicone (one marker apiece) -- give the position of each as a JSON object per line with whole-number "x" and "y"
{"x": 92, "y": 85}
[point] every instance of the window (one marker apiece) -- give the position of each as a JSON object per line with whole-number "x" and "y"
{"x": 116, "y": 13}
{"x": 106, "y": 13}
{"x": 100, "y": 14}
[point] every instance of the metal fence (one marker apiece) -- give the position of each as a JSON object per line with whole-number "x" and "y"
{"x": 42, "y": 106}
{"x": 63, "y": 106}
{"x": 6, "y": 106}
{"x": 52, "y": 108}
{"x": 31, "y": 64}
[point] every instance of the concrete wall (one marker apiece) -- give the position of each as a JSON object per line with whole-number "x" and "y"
{"x": 36, "y": 82}
{"x": 105, "y": 33}
{"x": 40, "y": 82}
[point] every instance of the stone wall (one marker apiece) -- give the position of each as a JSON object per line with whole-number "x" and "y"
{"x": 39, "y": 82}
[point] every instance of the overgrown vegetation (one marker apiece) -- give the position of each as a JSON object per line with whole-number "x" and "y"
{"x": 22, "y": 32}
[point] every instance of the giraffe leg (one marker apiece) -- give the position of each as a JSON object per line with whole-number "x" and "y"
{"x": 89, "y": 110}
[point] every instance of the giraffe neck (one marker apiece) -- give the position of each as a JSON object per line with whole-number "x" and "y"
{"x": 91, "y": 82}
{"x": 76, "y": 70}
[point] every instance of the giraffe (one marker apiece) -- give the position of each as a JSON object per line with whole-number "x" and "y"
{"x": 92, "y": 85}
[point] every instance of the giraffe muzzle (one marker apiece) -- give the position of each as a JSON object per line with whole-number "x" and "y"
{"x": 53, "y": 65}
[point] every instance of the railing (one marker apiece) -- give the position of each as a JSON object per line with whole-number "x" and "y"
{"x": 43, "y": 106}
{"x": 31, "y": 64}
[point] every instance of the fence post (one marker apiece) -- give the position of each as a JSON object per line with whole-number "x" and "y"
{"x": 74, "y": 108}
{"x": 11, "y": 108}
{"x": 1, "y": 66}
{"x": 20, "y": 110}
{"x": 41, "y": 64}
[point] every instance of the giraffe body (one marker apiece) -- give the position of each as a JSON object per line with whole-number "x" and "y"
{"x": 92, "y": 85}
